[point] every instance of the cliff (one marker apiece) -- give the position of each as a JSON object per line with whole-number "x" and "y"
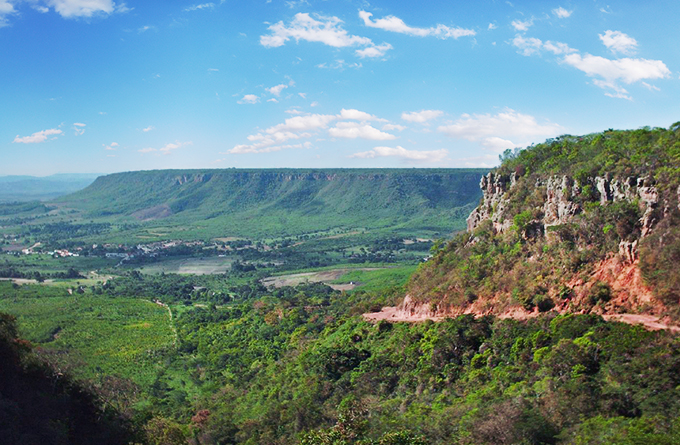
{"x": 578, "y": 224}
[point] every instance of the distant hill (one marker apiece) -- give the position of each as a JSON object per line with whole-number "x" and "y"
{"x": 33, "y": 188}
{"x": 267, "y": 202}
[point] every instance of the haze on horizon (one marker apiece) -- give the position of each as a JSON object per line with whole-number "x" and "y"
{"x": 107, "y": 86}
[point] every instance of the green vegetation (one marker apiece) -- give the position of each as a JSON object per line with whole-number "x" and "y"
{"x": 226, "y": 358}
{"x": 523, "y": 266}
{"x": 203, "y": 204}
{"x": 91, "y": 336}
{"x": 39, "y": 405}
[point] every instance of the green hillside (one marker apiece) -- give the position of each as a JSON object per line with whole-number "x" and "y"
{"x": 587, "y": 223}
{"x": 263, "y": 203}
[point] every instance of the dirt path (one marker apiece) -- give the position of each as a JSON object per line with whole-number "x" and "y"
{"x": 172, "y": 323}
{"x": 648, "y": 321}
{"x": 394, "y": 314}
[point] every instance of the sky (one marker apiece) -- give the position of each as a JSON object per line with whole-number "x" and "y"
{"x": 102, "y": 86}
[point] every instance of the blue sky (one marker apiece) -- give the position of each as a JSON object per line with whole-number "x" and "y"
{"x": 103, "y": 86}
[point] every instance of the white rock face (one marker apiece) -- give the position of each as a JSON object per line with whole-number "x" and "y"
{"x": 560, "y": 205}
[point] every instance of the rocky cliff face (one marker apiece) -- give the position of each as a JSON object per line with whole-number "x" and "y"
{"x": 560, "y": 203}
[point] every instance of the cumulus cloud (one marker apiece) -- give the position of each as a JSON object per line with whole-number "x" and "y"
{"x": 35, "y": 138}
{"x": 561, "y": 13}
{"x": 607, "y": 73}
{"x": 303, "y": 123}
{"x": 400, "y": 152}
{"x": 421, "y": 116}
{"x": 148, "y": 129}
{"x": 497, "y": 144}
{"x": 618, "y": 42}
{"x": 494, "y": 131}
{"x": 276, "y": 90}
{"x": 520, "y": 25}
{"x": 86, "y": 8}
{"x": 326, "y": 30}
{"x": 351, "y": 124}
{"x": 249, "y": 99}
{"x": 357, "y": 115}
{"x": 353, "y": 130}
{"x": 374, "y": 51}
{"x": 112, "y": 146}
{"x": 395, "y": 24}
{"x": 199, "y": 7}
{"x": 625, "y": 70}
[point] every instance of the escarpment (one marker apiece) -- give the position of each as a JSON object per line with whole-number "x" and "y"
{"x": 576, "y": 224}
{"x": 563, "y": 200}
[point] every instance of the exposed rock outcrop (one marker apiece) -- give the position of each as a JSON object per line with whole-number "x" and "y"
{"x": 561, "y": 205}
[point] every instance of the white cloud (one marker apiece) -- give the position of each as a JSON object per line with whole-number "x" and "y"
{"x": 650, "y": 87}
{"x": 358, "y": 115}
{"x": 618, "y": 42}
{"x": 527, "y": 46}
{"x": 531, "y": 45}
{"x": 276, "y": 90}
{"x": 561, "y": 12}
{"x": 497, "y": 144}
{"x": 395, "y": 24}
{"x": 243, "y": 149}
{"x": 110, "y": 147}
{"x": 558, "y": 47}
{"x": 352, "y": 124}
{"x": 145, "y": 29}
{"x": 6, "y": 9}
{"x": 508, "y": 123}
{"x": 339, "y": 65}
{"x": 198, "y": 7}
{"x": 86, "y": 8}
{"x": 273, "y": 99}
{"x": 607, "y": 73}
{"x": 353, "y": 130}
{"x": 373, "y": 51}
{"x": 391, "y": 127}
{"x": 303, "y": 123}
{"x": 626, "y": 70}
{"x": 249, "y": 99}
{"x": 421, "y": 116}
{"x": 303, "y": 95}
{"x": 401, "y": 152}
{"x": 40, "y": 136}
{"x": 41, "y": 9}
{"x": 491, "y": 26}
{"x": 167, "y": 149}
{"x": 522, "y": 25}
{"x": 148, "y": 129}
{"x": 78, "y": 128}
{"x": 326, "y": 30}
